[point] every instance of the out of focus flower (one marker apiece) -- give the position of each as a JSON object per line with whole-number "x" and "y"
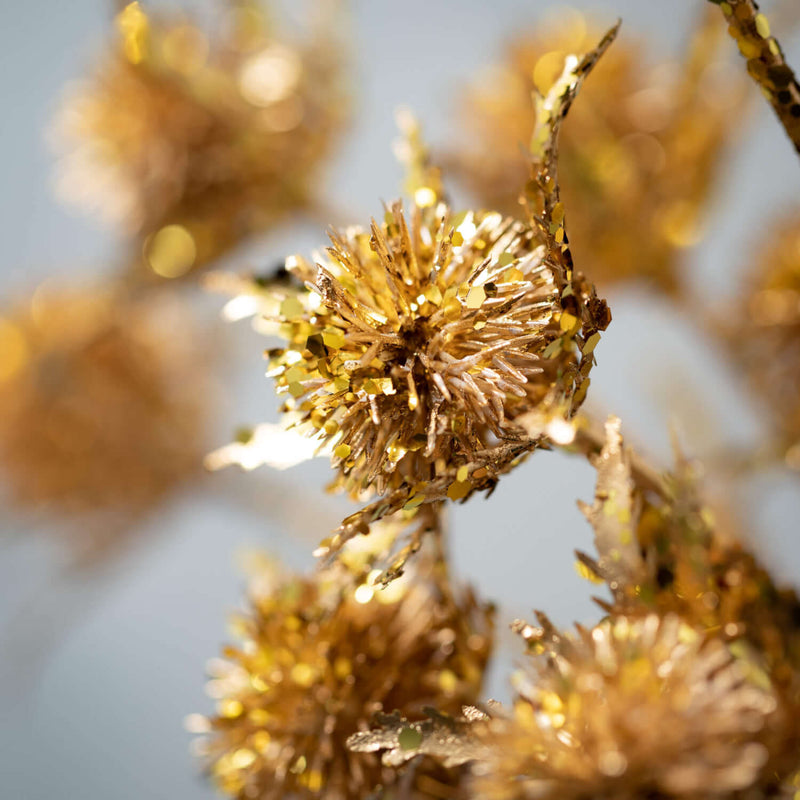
{"x": 668, "y": 554}
{"x": 663, "y": 552}
{"x": 319, "y": 658}
{"x": 100, "y": 408}
{"x": 630, "y": 709}
{"x": 762, "y": 331}
{"x": 639, "y": 156}
{"x": 191, "y": 141}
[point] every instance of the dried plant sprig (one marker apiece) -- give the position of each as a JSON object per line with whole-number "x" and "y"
{"x": 420, "y": 343}
{"x": 321, "y": 656}
{"x": 628, "y": 709}
{"x": 442, "y": 737}
{"x": 765, "y": 62}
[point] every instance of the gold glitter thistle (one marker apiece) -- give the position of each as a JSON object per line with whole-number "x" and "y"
{"x": 100, "y": 408}
{"x": 319, "y": 658}
{"x": 629, "y": 709}
{"x": 191, "y": 142}
{"x": 426, "y": 336}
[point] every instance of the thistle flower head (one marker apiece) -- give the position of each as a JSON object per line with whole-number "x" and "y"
{"x": 319, "y": 659}
{"x": 95, "y": 413}
{"x": 630, "y": 709}
{"x": 421, "y": 342}
{"x": 191, "y": 141}
{"x": 640, "y": 153}
{"x": 425, "y": 337}
{"x": 434, "y": 350}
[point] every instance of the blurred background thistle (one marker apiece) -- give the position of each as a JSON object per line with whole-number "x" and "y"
{"x": 191, "y": 138}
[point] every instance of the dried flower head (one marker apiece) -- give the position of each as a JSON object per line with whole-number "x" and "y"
{"x": 631, "y": 709}
{"x": 319, "y": 658}
{"x": 100, "y": 408}
{"x": 640, "y": 154}
{"x": 762, "y": 331}
{"x": 424, "y": 337}
{"x": 191, "y": 141}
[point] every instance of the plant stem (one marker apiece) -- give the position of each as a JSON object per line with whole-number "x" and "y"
{"x": 765, "y": 62}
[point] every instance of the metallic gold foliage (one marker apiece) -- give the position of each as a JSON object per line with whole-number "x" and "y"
{"x": 100, "y": 407}
{"x": 322, "y": 655}
{"x": 640, "y": 154}
{"x": 762, "y": 331}
{"x": 667, "y": 553}
{"x": 444, "y": 738}
{"x": 613, "y": 516}
{"x": 632, "y": 708}
{"x": 664, "y": 553}
{"x": 426, "y": 355}
{"x": 192, "y": 140}
{"x": 765, "y": 62}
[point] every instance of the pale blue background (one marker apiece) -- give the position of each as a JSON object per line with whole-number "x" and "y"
{"x": 98, "y": 673}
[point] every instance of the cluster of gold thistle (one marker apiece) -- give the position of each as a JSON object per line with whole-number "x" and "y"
{"x": 320, "y": 656}
{"x": 689, "y": 688}
{"x": 427, "y": 355}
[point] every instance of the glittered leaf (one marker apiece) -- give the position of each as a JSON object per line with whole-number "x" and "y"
{"x": 445, "y": 739}
{"x": 614, "y": 513}
{"x": 551, "y": 109}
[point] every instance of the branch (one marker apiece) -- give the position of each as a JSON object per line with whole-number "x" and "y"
{"x": 765, "y": 62}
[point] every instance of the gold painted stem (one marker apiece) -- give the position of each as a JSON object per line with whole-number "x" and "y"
{"x": 765, "y": 62}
